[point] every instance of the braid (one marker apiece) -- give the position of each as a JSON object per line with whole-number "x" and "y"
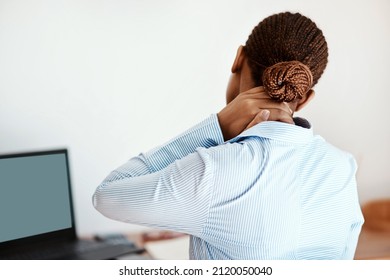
{"x": 287, "y": 81}
{"x": 287, "y": 53}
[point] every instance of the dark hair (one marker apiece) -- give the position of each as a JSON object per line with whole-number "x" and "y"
{"x": 287, "y": 54}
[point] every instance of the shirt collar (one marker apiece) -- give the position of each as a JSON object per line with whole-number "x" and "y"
{"x": 299, "y": 133}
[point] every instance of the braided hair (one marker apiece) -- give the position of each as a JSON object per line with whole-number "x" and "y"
{"x": 287, "y": 54}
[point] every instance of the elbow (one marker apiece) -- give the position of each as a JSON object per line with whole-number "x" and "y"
{"x": 95, "y": 199}
{"x": 102, "y": 201}
{"x": 98, "y": 199}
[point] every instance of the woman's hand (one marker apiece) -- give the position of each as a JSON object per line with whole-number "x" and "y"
{"x": 250, "y": 108}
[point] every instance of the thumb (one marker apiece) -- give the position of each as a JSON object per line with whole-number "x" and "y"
{"x": 262, "y": 116}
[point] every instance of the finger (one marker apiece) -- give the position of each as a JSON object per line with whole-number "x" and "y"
{"x": 257, "y": 92}
{"x": 270, "y": 104}
{"x": 262, "y": 116}
{"x": 280, "y": 115}
{"x": 288, "y": 120}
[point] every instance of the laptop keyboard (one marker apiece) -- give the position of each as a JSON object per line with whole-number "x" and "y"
{"x": 77, "y": 250}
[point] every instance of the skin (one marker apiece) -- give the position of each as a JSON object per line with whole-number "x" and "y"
{"x": 248, "y": 105}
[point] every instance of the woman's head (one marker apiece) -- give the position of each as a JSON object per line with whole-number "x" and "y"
{"x": 286, "y": 53}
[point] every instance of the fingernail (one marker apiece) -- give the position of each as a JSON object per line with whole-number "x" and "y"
{"x": 265, "y": 114}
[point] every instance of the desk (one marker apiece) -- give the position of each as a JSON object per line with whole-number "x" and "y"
{"x": 373, "y": 245}
{"x": 164, "y": 245}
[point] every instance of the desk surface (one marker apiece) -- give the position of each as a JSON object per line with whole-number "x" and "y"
{"x": 373, "y": 245}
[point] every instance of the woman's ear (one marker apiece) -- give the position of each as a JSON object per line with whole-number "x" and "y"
{"x": 305, "y": 100}
{"x": 239, "y": 60}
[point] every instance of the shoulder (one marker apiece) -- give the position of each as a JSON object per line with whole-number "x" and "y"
{"x": 322, "y": 160}
{"x": 340, "y": 155}
{"x": 241, "y": 156}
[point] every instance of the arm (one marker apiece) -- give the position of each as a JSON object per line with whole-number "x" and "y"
{"x": 171, "y": 181}
{"x": 205, "y": 134}
{"x": 165, "y": 187}
{"x": 174, "y": 198}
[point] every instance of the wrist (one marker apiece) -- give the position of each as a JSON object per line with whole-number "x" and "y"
{"x": 223, "y": 124}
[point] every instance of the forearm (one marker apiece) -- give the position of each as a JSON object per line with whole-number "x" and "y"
{"x": 205, "y": 134}
{"x": 174, "y": 198}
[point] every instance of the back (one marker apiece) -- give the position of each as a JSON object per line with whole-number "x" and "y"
{"x": 331, "y": 218}
{"x": 293, "y": 197}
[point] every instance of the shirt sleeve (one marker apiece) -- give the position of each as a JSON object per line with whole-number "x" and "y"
{"x": 357, "y": 220}
{"x": 167, "y": 187}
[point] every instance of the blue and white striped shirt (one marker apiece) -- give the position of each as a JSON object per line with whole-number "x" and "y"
{"x": 276, "y": 191}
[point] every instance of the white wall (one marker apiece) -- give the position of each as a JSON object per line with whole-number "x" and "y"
{"x": 111, "y": 78}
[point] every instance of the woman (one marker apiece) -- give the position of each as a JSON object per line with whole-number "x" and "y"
{"x": 243, "y": 187}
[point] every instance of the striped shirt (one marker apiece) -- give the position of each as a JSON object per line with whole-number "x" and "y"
{"x": 276, "y": 191}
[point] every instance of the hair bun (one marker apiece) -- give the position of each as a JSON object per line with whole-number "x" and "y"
{"x": 287, "y": 81}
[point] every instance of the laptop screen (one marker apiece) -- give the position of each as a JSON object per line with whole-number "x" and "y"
{"x": 34, "y": 194}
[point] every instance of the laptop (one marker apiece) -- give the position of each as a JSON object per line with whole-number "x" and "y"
{"x": 36, "y": 211}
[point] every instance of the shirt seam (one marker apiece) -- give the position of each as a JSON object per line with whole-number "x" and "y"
{"x": 211, "y": 181}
